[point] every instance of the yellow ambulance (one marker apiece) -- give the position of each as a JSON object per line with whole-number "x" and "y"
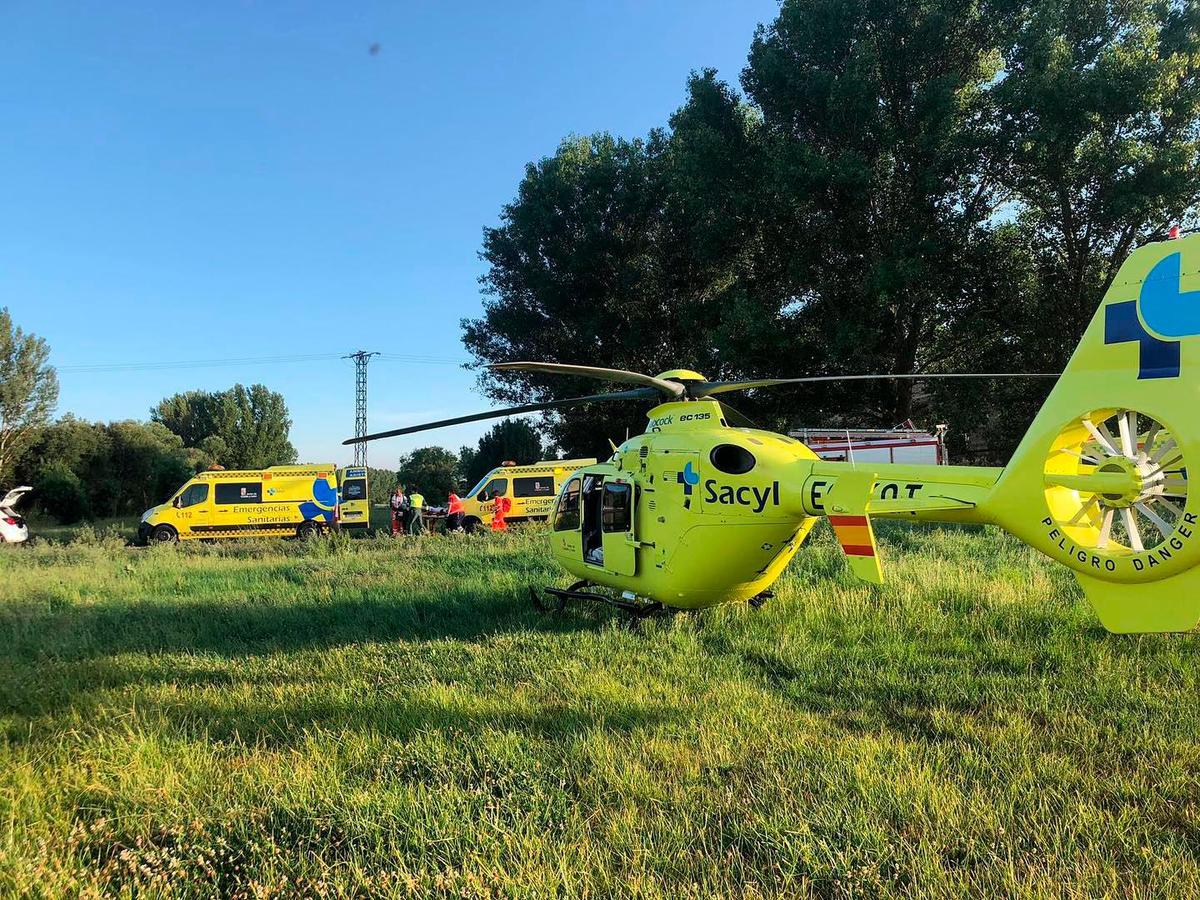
{"x": 300, "y": 501}
{"x": 531, "y": 489}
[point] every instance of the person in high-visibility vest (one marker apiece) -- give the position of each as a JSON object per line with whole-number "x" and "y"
{"x": 416, "y": 502}
{"x": 502, "y": 506}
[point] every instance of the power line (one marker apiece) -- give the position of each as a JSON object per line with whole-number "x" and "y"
{"x": 98, "y": 368}
{"x": 439, "y": 360}
{"x": 196, "y": 363}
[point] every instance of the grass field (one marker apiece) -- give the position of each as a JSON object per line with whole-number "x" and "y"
{"x": 382, "y": 718}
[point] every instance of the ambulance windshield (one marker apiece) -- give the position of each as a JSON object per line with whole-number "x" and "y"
{"x": 479, "y": 487}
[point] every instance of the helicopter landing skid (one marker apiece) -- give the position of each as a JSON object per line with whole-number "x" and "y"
{"x": 758, "y": 601}
{"x": 555, "y": 600}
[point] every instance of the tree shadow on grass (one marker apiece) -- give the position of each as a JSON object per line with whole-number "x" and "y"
{"x": 288, "y": 724}
{"x": 250, "y": 625}
{"x": 50, "y": 654}
{"x": 73, "y": 656}
{"x": 907, "y": 687}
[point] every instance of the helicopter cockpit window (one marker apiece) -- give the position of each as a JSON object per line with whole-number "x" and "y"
{"x": 618, "y": 503}
{"x": 566, "y": 517}
{"x": 732, "y": 459}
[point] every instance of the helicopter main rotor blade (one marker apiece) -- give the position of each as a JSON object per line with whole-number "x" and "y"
{"x": 707, "y": 388}
{"x": 669, "y": 388}
{"x": 636, "y": 394}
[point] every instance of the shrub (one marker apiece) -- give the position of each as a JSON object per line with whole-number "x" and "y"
{"x": 59, "y": 492}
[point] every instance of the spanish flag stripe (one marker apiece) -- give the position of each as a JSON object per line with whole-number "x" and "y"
{"x": 858, "y": 549}
{"x": 835, "y": 521}
{"x": 853, "y": 534}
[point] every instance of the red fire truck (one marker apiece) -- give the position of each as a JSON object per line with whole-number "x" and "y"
{"x": 903, "y": 444}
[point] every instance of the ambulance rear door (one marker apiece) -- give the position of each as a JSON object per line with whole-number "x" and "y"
{"x": 353, "y": 498}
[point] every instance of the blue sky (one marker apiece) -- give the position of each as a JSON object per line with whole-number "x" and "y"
{"x": 207, "y": 181}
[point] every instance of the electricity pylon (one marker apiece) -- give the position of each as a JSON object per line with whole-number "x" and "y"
{"x": 361, "y": 358}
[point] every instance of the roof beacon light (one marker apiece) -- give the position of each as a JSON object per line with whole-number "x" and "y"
{"x": 1173, "y": 233}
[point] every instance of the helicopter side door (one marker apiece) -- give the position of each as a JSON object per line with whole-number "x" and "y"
{"x": 565, "y": 532}
{"x": 618, "y": 534}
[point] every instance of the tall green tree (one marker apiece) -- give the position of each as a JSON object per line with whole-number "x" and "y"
{"x": 1098, "y": 149}
{"x": 877, "y": 119}
{"x": 908, "y": 186}
{"x": 380, "y": 484}
{"x": 431, "y": 471}
{"x": 577, "y": 273}
{"x": 28, "y": 387}
{"x": 147, "y": 463}
{"x": 467, "y": 464}
{"x": 514, "y": 440}
{"x": 82, "y": 469}
{"x": 242, "y": 427}
{"x": 193, "y": 415}
{"x": 1099, "y": 143}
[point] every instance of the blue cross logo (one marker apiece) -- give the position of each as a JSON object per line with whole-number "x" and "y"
{"x": 1168, "y": 310}
{"x": 689, "y": 477}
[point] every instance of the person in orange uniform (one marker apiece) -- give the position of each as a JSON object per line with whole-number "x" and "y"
{"x": 454, "y": 512}
{"x": 503, "y": 505}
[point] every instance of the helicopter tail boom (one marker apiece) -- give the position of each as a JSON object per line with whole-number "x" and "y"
{"x": 853, "y": 496}
{"x": 1100, "y": 481}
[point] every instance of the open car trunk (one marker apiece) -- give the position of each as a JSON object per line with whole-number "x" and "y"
{"x": 13, "y": 497}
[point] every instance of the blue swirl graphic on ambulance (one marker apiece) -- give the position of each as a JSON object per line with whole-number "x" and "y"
{"x": 326, "y": 497}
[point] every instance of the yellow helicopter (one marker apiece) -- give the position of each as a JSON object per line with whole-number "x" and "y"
{"x": 696, "y": 511}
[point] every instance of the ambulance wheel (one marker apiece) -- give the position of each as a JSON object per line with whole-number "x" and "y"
{"x": 470, "y": 524}
{"x": 164, "y": 534}
{"x": 308, "y": 531}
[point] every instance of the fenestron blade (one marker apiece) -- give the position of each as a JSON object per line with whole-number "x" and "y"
{"x": 1127, "y": 431}
{"x": 669, "y": 388}
{"x": 1102, "y": 436}
{"x": 1131, "y": 529}
{"x": 1164, "y": 527}
{"x": 637, "y": 394}
{"x": 707, "y": 388}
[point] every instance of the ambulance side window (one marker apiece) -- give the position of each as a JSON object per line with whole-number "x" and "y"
{"x": 542, "y": 486}
{"x": 566, "y": 517}
{"x": 239, "y": 492}
{"x": 195, "y": 494}
{"x": 616, "y": 511}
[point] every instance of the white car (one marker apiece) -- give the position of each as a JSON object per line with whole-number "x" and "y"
{"x": 13, "y": 529}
